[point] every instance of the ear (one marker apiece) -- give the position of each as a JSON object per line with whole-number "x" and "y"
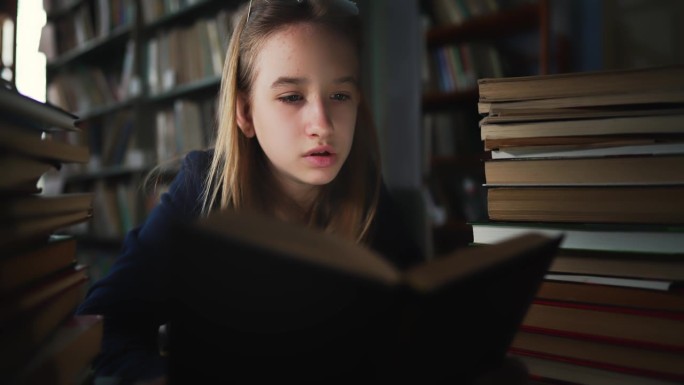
{"x": 244, "y": 115}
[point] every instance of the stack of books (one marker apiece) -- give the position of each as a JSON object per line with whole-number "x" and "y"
{"x": 599, "y": 157}
{"x": 41, "y": 283}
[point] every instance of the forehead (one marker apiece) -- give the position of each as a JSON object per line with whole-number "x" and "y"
{"x": 306, "y": 49}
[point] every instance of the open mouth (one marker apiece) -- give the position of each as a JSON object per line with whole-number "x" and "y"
{"x": 322, "y": 153}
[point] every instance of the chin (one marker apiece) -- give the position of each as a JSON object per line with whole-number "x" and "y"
{"x": 321, "y": 179}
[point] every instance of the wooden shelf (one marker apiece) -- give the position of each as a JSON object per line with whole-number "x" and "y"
{"x": 439, "y": 100}
{"x": 516, "y": 20}
{"x": 105, "y": 172}
{"x": 101, "y": 111}
{"x": 64, "y": 10}
{"x": 190, "y": 12}
{"x": 91, "y": 47}
{"x": 210, "y": 84}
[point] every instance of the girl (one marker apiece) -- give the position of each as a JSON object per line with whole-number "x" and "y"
{"x": 294, "y": 140}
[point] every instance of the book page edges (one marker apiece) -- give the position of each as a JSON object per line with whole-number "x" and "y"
{"x": 463, "y": 263}
{"x": 306, "y": 244}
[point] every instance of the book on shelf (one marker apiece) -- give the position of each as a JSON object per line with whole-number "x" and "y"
{"x": 582, "y": 84}
{"x": 560, "y": 371}
{"x": 655, "y": 364}
{"x": 592, "y": 236}
{"x": 609, "y": 170}
{"x": 593, "y": 204}
{"x": 302, "y": 294}
{"x": 608, "y": 295}
{"x": 63, "y": 358}
{"x": 24, "y": 266}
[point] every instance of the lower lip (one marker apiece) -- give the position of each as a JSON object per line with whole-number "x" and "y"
{"x": 321, "y": 161}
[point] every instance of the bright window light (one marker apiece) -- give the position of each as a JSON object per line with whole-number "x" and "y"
{"x": 30, "y": 68}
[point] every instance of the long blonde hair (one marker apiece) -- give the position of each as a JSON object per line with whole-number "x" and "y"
{"x": 238, "y": 176}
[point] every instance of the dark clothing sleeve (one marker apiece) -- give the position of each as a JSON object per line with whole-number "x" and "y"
{"x": 134, "y": 296}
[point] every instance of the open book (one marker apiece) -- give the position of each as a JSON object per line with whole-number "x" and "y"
{"x": 255, "y": 296}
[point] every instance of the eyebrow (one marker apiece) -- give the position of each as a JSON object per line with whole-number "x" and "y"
{"x": 285, "y": 80}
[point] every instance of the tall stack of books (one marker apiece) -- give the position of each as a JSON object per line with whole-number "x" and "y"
{"x": 599, "y": 157}
{"x": 41, "y": 341}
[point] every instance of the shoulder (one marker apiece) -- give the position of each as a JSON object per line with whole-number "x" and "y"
{"x": 185, "y": 191}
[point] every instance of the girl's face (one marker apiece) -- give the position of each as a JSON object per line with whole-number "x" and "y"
{"x": 303, "y": 106}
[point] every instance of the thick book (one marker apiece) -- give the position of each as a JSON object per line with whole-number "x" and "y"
{"x": 638, "y": 283}
{"x": 589, "y": 148}
{"x": 562, "y": 371}
{"x": 643, "y": 362}
{"x": 582, "y": 83}
{"x": 40, "y": 205}
{"x": 28, "y": 264}
{"x": 62, "y": 359}
{"x": 517, "y": 115}
{"x": 23, "y": 335}
{"x": 20, "y": 174}
{"x": 635, "y": 125}
{"x": 587, "y": 204}
{"x": 609, "y": 237}
{"x": 635, "y": 99}
{"x": 642, "y": 328}
{"x": 627, "y": 297}
{"x": 31, "y": 144}
{"x": 23, "y": 110}
{"x": 620, "y": 264}
{"x": 259, "y": 293}
{"x": 609, "y": 170}
{"x": 19, "y": 233}
{"x": 23, "y": 300}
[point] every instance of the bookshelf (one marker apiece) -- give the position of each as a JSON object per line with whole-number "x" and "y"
{"x": 122, "y": 67}
{"x": 480, "y": 39}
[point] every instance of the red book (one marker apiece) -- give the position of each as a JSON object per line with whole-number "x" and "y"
{"x": 649, "y": 329}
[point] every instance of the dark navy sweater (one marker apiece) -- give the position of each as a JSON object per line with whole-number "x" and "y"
{"x": 134, "y": 296}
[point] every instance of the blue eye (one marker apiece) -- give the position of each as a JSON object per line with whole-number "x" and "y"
{"x": 340, "y": 97}
{"x": 290, "y": 98}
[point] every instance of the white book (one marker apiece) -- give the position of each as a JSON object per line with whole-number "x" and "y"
{"x": 612, "y": 281}
{"x": 578, "y": 152}
{"x": 599, "y": 237}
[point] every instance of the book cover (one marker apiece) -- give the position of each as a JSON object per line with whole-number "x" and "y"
{"x": 263, "y": 292}
{"x": 649, "y": 329}
{"x": 587, "y": 171}
{"x": 23, "y": 335}
{"x": 646, "y": 363}
{"x": 28, "y": 264}
{"x": 62, "y": 359}
{"x": 582, "y": 83}
{"x": 587, "y": 204}
{"x": 611, "y": 296}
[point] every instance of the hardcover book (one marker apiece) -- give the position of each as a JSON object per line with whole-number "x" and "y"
{"x": 259, "y": 293}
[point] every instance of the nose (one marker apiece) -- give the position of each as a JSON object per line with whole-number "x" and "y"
{"x": 319, "y": 120}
